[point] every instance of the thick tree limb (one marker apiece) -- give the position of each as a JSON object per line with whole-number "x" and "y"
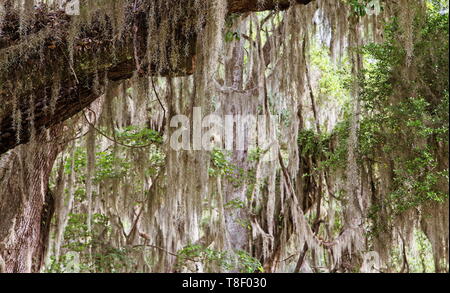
{"x": 97, "y": 60}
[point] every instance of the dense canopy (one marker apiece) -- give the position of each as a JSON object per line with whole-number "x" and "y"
{"x": 224, "y": 136}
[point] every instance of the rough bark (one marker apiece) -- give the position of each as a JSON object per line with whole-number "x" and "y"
{"x": 236, "y": 104}
{"x": 26, "y": 204}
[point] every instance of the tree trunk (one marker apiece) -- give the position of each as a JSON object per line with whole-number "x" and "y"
{"x": 236, "y": 104}
{"x": 26, "y": 204}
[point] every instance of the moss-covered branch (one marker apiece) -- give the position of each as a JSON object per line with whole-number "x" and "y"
{"x": 48, "y": 59}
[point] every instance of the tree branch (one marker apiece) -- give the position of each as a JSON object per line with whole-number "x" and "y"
{"x": 30, "y": 63}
